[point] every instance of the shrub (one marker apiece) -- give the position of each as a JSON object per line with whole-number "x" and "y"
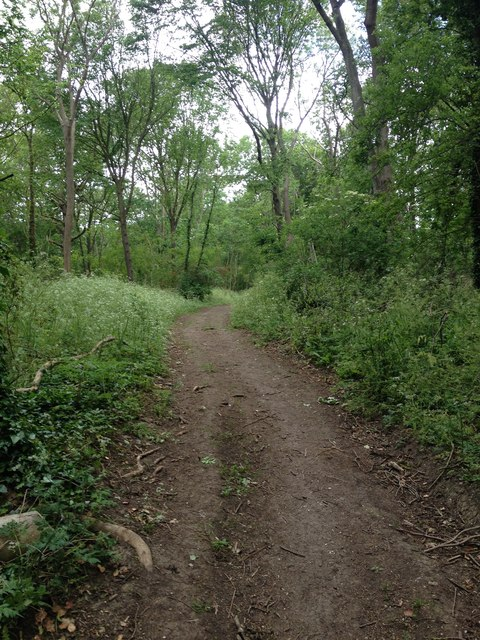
{"x": 404, "y": 347}
{"x": 195, "y": 284}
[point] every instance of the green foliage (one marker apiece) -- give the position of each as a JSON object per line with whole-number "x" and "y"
{"x": 405, "y": 347}
{"x": 195, "y": 284}
{"x": 264, "y": 308}
{"x": 236, "y": 478}
{"x": 70, "y": 315}
{"x": 53, "y": 442}
{"x": 17, "y": 593}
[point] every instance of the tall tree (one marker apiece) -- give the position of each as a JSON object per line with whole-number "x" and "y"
{"x": 124, "y": 103}
{"x": 75, "y": 33}
{"x": 178, "y": 149}
{"x": 256, "y": 50}
{"x": 380, "y": 166}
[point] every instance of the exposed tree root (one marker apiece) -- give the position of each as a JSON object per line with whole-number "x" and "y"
{"x": 140, "y": 467}
{"x": 126, "y": 535}
{"x": 53, "y": 363}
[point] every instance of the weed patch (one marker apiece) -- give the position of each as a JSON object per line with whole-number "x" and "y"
{"x": 404, "y": 348}
{"x": 53, "y": 442}
{"x": 236, "y": 480}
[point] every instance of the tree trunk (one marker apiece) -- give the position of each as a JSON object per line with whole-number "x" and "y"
{"x": 122, "y": 217}
{"x": 207, "y": 225}
{"x": 277, "y": 208}
{"x": 32, "y": 236}
{"x": 276, "y": 179}
{"x": 287, "y": 213}
{"x": 349, "y": 59}
{"x": 339, "y": 32}
{"x": 172, "y": 223}
{"x": 475, "y": 214}
{"x": 68, "y": 127}
{"x": 381, "y": 168}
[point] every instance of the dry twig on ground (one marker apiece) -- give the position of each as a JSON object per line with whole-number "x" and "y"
{"x": 56, "y": 361}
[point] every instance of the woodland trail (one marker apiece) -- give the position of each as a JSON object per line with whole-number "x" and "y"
{"x": 303, "y": 544}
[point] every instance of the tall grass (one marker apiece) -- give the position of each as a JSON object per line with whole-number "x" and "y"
{"x": 71, "y": 314}
{"x": 53, "y": 442}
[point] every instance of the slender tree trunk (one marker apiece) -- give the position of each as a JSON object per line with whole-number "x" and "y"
{"x": 207, "y": 226}
{"x": 68, "y": 127}
{"x": 172, "y": 223}
{"x": 381, "y": 168}
{"x": 82, "y": 254}
{"x": 189, "y": 239}
{"x": 287, "y": 213}
{"x": 276, "y": 181}
{"x": 475, "y": 214}
{"x": 88, "y": 258}
{"x": 32, "y": 235}
{"x": 122, "y": 217}
{"x": 277, "y": 208}
{"x": 339, "y": 32}
{"x": 189, "y": 228}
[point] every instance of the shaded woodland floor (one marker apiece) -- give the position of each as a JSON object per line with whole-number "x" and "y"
{"x": 273, "y": 514}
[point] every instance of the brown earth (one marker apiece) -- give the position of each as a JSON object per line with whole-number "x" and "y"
{"x": 272, "y": 514}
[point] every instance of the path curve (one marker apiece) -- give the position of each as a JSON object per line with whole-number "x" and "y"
{"x": 276, "y": 526}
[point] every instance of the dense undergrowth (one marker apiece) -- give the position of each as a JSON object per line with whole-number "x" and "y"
{"x": 404, "y": 347}
{"x": 53, "y": 442}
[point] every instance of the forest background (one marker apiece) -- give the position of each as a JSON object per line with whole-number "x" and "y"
{"x": 348, "y": 217}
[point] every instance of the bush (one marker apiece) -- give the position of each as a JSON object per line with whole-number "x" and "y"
{"x": 404, "y": 347}
{"x": 195, "y": 285}
{"x": 265, "y": 309}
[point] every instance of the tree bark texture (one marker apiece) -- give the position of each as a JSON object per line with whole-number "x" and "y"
{"x": 68, "y": 127}
{"x": 122, "y": 218}
{"x": 32, "y": 235}
{"x": 381, "y": 168}
{"x": 339, "y": 32}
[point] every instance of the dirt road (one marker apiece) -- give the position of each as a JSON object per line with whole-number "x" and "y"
{"x": 275, "y": 519}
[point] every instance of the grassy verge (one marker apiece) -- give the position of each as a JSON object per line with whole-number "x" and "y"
{"x": 404, "y": 348}
{"x": 52, "y": 442}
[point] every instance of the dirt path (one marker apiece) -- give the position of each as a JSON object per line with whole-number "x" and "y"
{"x": 270, "y": 517}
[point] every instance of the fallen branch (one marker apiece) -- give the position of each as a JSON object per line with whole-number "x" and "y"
{"x": 440, "y": 475}
{"x": 248, "y": 424}
{"x": 454, "y": 605}
{"x": 126, "y": 535}
{"x": 140, "y": 467}
{"x": 56, "y": 361}
{"x": 295, "y": 553}
{"x": 457, "y": 585}
{"x": 232, "y": 601}
{"x": 396, "y": 466}
{"x": 472, "y": 559}
{"x": 420, "y": 534}
{"x": 455, "y": 542}
{"x": 367, "y": 624}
